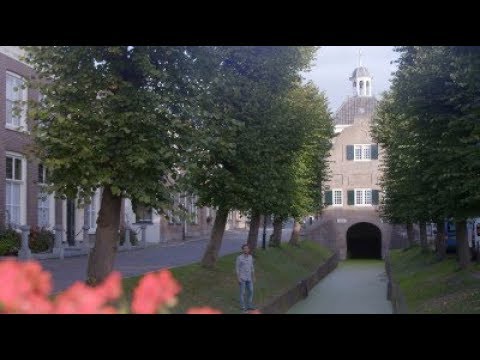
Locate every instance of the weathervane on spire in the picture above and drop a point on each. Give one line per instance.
(359, 57)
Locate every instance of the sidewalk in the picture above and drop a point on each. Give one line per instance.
(154, 257)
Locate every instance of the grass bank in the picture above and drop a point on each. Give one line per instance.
(276, 271)
(436, 287)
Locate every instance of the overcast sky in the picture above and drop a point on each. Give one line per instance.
(335, 64)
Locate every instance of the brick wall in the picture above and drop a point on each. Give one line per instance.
(16, 141)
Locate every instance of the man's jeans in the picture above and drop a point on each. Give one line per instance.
(246, 286)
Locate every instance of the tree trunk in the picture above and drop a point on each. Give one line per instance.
(211, 253)
(441, 247)
(253, 231)
(102, 256)
(410, 235)
(276, 238)
(423, 236)
(463, 250)
(295, 238)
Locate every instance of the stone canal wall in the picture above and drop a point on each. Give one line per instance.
(300, 291)
(394, 293)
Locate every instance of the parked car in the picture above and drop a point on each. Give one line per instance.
(473, 235)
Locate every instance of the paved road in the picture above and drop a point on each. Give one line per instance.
(355, 287)
(137, 262)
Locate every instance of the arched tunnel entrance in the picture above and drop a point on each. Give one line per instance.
(364, 241)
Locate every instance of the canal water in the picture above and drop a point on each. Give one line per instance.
(354, 287)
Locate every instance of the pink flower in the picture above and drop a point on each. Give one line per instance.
(82, 299)
(78, 299)
(203, 310)
(40, 281)
(155, 291)
(111, 288)
(24, 287)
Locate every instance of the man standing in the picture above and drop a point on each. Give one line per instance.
(245, 275)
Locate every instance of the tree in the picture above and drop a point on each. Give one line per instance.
(435, 91)
(302, 140)
(224, 169)
(117, 118)
(410, 143)
(403, 201)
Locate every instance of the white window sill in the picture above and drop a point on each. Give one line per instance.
(20, 129)
(337, 205)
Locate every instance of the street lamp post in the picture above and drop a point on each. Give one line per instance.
(184, 232)
(264, 232)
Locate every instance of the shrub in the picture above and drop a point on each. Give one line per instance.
(10, 242)
(40, 240)
(133, 237)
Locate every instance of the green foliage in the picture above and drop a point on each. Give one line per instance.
(299, 142)
(250, 145)
(115, 116)
(40, 240)
(10, 242)
(428, 126)
(232, 124)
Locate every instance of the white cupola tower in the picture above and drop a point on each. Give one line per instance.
(361, 79)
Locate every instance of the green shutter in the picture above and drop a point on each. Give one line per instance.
(351, 197)
(328, 198)
(374, 197)
(374, 151)
(350, 153)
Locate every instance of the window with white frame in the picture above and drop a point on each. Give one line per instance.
(169, 213)
(42, 175)
(179, 204)
(367, 152)
(337, 197)
(210, 213)
(368, 197)
(358, 152)
(15, 187)
(363, 196)
(193, 209)
(91, 214)
(363, 152)
(144, 214)
(16, 97)
(170, 217)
